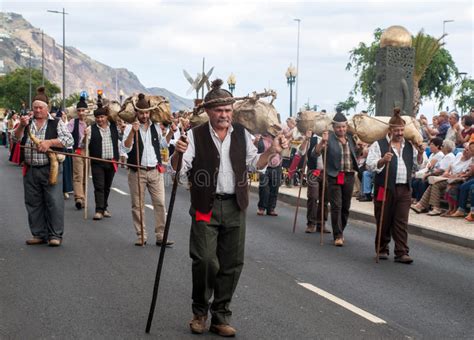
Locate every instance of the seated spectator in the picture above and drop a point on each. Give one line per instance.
(438, 184)
(467, 131)
(461, 195)
(419, 182)
(442, 128)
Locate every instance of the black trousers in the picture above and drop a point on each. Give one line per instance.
(102, 177)
(340, 196)
(269, 184)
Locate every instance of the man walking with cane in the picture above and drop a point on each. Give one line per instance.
(147, 152)
(341, 168)
(400, 156)
(216, 158)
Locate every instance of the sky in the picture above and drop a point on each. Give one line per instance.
(254, 40)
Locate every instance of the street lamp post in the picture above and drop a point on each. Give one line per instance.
(42, 55)
(444, 27)
(64, 54)
(290, 80)
(297, 62)
(231, 81)
(29, 81)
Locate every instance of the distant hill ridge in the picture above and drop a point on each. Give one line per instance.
(82, 72)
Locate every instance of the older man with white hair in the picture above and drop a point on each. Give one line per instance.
(341, 168)
(44, 202)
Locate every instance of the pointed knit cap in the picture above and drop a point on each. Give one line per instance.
(41, 95)
(217, 96)
(142, 103)
(396, 119)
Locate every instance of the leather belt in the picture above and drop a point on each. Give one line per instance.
(223, 197)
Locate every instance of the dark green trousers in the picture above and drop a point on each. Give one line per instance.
(217, 251)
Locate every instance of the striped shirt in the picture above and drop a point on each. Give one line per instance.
(346, 162)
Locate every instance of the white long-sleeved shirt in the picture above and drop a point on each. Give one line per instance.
(148, 156)
(375, 155)
(226, 177)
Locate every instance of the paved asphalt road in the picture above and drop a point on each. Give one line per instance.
(98, 285)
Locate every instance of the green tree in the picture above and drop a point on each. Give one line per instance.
(348, 104)
(73, 99)
(437, 74)
(465, 95)
(14, 87)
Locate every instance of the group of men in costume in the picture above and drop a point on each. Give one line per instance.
(216, 158)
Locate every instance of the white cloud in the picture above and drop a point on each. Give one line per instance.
(256, 40)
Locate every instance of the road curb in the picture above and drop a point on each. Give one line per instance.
(413, 229)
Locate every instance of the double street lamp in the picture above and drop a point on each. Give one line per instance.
(290, 80)
(64, 54)
(231, 81)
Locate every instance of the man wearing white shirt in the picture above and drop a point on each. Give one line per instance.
(216, 157)
(400, 156)
(150, 140)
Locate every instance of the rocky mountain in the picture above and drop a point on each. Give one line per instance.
(19, 40)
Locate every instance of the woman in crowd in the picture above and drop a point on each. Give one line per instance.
(456, 171)
(420, 182)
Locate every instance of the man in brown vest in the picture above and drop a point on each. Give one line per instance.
(215, 161)
(400, 156)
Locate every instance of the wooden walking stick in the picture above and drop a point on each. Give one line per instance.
(379, 227)
(301, 185)
(163, 244)
(86, 177)
(140, 203)
(322, 198)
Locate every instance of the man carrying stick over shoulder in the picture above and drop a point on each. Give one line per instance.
(216, 158)
(400, 156)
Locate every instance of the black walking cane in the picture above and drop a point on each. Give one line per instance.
(163, 244)
(380, 226)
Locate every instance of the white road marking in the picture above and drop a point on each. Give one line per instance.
(120, 191)
(149, 206)
(343, 303)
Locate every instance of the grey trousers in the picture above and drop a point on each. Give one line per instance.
(44, 203)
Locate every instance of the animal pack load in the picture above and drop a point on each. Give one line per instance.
(314, 121)
(258, 116)
(160, 109)
(370, 129)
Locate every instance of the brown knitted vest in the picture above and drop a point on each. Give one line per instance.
(205, 168)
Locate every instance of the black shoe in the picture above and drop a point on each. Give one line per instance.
(366, 198)
(169, 243)
(79, 205)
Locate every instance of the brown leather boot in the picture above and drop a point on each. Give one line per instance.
(35, 241)
(223, 330)
(310, 229)
(198, 324)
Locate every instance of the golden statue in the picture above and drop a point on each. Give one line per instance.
(396, 36)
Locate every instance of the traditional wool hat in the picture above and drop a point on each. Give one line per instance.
(396, 119)
(142, 103)
(41, 95)
(339, 118)
(217, 96)
(82, 103)
(101, 111)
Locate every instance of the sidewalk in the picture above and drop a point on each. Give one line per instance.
(450, 230)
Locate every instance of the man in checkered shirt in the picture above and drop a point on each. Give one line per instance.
(44, 202)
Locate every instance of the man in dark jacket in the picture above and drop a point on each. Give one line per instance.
(341, 167)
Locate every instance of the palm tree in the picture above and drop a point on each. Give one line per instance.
(425, 49)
